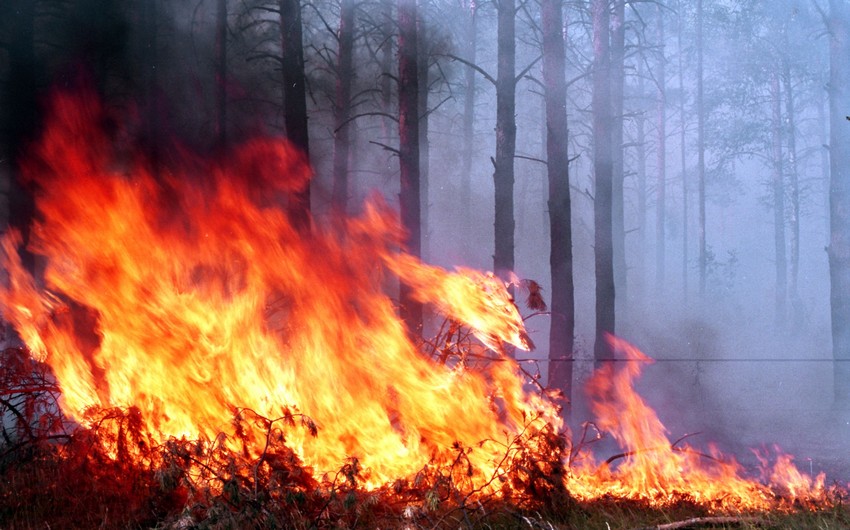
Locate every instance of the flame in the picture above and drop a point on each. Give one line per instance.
(652, 468)
(189, 296)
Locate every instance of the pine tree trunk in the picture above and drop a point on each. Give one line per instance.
(342, 107)
(661, 182)
(295, 100)
(562, 326)
(469, 115)
(683, 153)
(618, 58)
(503, 174)
(839, 195)
(778, 205)
(703, 254)
(424, 147)
(408, 137)
(603, 174)
(794, 184)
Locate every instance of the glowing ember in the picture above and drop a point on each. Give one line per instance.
(190, 296)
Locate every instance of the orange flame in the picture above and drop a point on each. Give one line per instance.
(202, 297)
(189, 295)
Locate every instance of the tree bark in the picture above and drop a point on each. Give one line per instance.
(603, 174)
(342, 107)
(503, 174)
(295, 100)
(408, 134)
(839, 196)
(778, 205)
(422, 66)
(562, 324)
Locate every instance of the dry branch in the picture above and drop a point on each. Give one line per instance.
(703, 521)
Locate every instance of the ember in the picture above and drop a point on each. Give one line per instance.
(200, 308)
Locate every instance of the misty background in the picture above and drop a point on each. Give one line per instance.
(733, 303)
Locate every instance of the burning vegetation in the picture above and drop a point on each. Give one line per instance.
(196, 359)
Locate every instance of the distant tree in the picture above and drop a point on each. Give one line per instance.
(661, 155)
(618, 219)
(780, 262)
(700, 111)
(342, 105)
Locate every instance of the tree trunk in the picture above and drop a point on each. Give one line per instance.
(639, 286)
(794, 183)
(408, 147)
(603, 174)
(839, 195)
(424, 146)
(221, 76)
(562, 324)
(469, 116)
(778, 204)
(295, 100)
(342, 107)
(683, 153)
(661, 182)
(703, 255)
(503, 174)
(618, 74)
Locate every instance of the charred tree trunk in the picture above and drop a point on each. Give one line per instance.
(661, 182)
(503, 174)
(562, 327)
(221, 76)
(22, 114)
(408, 134)
(295, 100)
(703, 255)
(839, 195)
(778, 204)
(342, 107)
(603, 174)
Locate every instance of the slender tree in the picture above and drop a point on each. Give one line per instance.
(562, 326)
(603, 174)
(778, 202)
(295, 98)
(503, 173)
(618, 221)
(471, 47)
(683, 149)
(342, 105)
(700, 103)
(408, 152)
(661, 157)
(839, 194)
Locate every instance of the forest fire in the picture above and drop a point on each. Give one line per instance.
(190, 298)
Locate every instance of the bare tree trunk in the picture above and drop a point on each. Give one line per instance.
(683, 153)
(221, 76)
(618, 57)
(342, 107)
(641, 155)
(603, 173)
(424, 146)
(661, 182)
(703, 255)
(778, 204)
(562, 326)
(408, 147)
(295, 99)
(794, 182)
(503, 174)
(839, 195)
(469, 114)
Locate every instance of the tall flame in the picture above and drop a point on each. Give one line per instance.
(190, 295)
